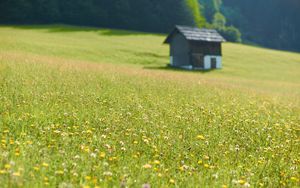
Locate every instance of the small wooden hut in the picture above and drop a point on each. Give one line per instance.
(194, 48)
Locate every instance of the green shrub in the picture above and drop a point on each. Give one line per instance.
(230, 33)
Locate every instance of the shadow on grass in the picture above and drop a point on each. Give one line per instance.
(110, 32)
(54, 28)
(151, 54)
(175, 69)
(145, 54)
(61, 28)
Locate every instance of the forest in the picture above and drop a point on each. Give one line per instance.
(142, 15)
(269, 23)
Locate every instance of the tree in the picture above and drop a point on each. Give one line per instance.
(195, 9)
(219, 20)
(231, 34)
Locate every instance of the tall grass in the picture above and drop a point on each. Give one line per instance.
(82, 107)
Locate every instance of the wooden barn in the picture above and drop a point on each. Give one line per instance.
(194, 48)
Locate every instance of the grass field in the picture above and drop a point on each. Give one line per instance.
(87, 107)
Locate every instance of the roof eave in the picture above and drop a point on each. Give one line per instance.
(177, 29)
(170, 36)
(206, 40)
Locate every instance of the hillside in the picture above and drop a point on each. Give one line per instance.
(97, 107)
(269, 23)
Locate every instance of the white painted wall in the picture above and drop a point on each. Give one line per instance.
(207, 61)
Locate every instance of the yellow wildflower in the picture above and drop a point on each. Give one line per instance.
(242, 182)
(7, 166)
(16, 174)
(183, 168)
(112, 158)
(95, 180)
(45, 164)
(200, 137)
(29, 142)
(294, 179)
(89, 132)
(147, 166)
(88, 178)
(59, 172)
(102, 155)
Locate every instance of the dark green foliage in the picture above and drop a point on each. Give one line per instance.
(230, 33)
(210, 7)
(212, 10)
(194, 7)
(144, 15)
(219, 20)
(271, 23)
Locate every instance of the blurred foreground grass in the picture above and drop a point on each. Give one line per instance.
(86, 107)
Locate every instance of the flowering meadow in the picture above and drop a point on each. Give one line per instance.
(82, 107)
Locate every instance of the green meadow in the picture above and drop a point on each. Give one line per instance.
(90, 107)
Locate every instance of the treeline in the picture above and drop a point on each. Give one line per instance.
(270, 23)
(143, 15)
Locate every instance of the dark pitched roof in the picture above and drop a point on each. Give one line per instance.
(196, 34)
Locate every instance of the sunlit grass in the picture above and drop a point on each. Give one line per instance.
(87, 107)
